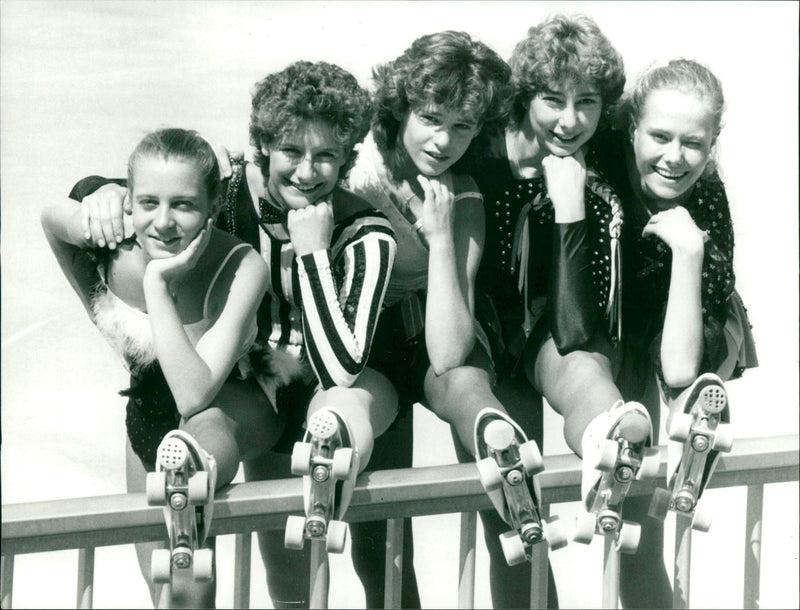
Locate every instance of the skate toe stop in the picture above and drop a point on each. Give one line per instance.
(498, 434)
(634, 428)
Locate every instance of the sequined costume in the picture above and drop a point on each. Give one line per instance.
(543, 277)
(648, 261)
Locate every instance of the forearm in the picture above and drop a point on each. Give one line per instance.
(191, 381)
(682, 337)
(449, 328)
(339, 325)
(572, 299)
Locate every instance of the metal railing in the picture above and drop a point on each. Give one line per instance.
(87, 523)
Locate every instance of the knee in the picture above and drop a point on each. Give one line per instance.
(448, 389)
(209, 421)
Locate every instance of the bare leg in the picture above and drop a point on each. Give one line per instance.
(185, 592)
(458, 395)
(579, 385)
(369, 406)
(241, 424)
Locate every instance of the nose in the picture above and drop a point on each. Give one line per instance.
(442, 139)
(305, 169)
(673, 153)
(164, 219)
(569, 117)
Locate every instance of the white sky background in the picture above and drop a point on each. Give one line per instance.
(81, 82)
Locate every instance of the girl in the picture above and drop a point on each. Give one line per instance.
(178, 302)
(430, 104)
(550, 263)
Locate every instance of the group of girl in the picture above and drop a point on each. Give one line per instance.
(454, 239)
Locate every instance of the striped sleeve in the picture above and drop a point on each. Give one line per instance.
(342, 292)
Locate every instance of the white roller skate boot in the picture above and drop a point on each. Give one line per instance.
(507, 463)
(698, 433)
(184, 483)
(616, 450)
(329, 465)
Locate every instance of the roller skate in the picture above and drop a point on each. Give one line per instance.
(184, 483)
(329, 466)
(615, 452)
(698, 433)
(507, 463)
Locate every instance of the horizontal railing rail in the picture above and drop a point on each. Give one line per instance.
(80, 523)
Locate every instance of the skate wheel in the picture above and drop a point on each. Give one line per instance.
(681, 427)
(702, 519)
(531, 458)
(553, 531)
(156, 486)
(490, 475)
(301, 459)
(342, 463)
(294, 538)
(607, 456)
(659, 505)
(336, 536)
(628, 537)
(199, 493)
(723, 439)
(513, 548)
(585, 526)
(650, 464)
(161, 566)
(203, 565)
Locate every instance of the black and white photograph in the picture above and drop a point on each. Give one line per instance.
(411, 304)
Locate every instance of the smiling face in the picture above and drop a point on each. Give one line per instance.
(564, 117)
(304, 165)
(170, 205)
(672, 143)
(435, 137)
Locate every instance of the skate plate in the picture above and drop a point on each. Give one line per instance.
(327, 464)
(507, 473)
(182, 483)
(703, 436)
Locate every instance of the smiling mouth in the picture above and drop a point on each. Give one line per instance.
(171, 241)
(668, 175)
(566, 139)
(436, 156)
(305, 189)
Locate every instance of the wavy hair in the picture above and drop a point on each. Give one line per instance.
(562, 49)
(446, 68)
(306, 91)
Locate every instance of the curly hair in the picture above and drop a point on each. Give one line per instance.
(562, 49)
(184, 144)
(306, 91)
(684, 75)
(446, 68)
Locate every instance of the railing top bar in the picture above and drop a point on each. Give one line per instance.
(124, 518)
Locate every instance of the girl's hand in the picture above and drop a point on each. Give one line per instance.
(311, 228)
(168, 270)
(438, 208)
(226, 158)
(566, 180)
(106, 216)
(676, 228)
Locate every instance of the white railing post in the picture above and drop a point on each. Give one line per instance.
(6, 580)
(540, 566)
(241, 567)
(610, 573)
(85, 578)
(683, 561)
(466, 560)
(393, 585)
(752, 550)
(320, 576)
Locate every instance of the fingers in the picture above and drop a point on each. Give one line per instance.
(102, 217)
